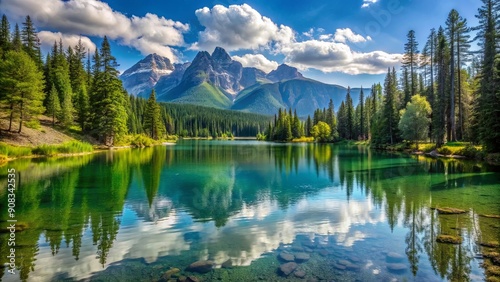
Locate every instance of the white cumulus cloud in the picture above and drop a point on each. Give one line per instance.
(346, 34)
(337, 57)
(148, 34)
(48, 38)
(367, 3)
(257, 61)
(238, 27)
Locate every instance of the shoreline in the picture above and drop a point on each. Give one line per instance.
(98, 149)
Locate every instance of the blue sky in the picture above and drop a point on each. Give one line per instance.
(346, 42)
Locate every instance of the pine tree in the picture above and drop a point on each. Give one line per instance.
(5, 34)
(331, 120)
(308, 126)
(362, 122)
(30, 41)
(410, 62)
(439, 115)
(390, 113)
(109, 118)
(53, 104)
(488, 101)
(17, 44)
(342, 121)
(22, 83)
(452, 23)
(153, 124)
(349, 115)
(463, 46)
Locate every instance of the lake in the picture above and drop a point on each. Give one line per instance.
(342, 213)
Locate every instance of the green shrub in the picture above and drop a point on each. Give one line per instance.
(141, 140)
(33, 124)
(14, 151)
(469, 151)
(45, 150)
(444, 151)
(427, 148)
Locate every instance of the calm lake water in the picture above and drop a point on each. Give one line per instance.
(348, 213)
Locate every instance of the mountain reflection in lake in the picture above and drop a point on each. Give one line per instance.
(344, 212)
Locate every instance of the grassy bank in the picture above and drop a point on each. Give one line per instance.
(8, 151)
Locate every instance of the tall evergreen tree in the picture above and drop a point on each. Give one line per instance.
(439, 115)
(410, 62)
(53, 104)
(5, 34)
(109, 118)
(488, 101)
(349, 115)
(22, 85)
(362, 121)
(30, 41)
(153, 124)
(390, 112)
(17, 44)
(452, 23)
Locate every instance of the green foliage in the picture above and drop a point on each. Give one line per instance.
(71, 147)
(469, 151)
(141, 140)
(14, 151)
(321, 132)
(107, 100)
(427, 148)
(414, 123)
(53, 104)
(153, 124)
(444, 151)
(21, 85)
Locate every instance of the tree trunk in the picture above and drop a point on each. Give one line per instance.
(11, 116)
(452, 91)
(21, 118)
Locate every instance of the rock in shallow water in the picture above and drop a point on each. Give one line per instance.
(394, 257)
(227, 264)
(396, 267)
(300, 274)
(288, 268)
(201, 266)
(286, 256)
(302, 257)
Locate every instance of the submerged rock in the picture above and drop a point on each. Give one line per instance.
(397, 267)
(169, 273)
(324, 253)
(302, 257)
(490, 216)
(338, 266)
(300, 274)
(286, 256)
(449, 239)
(287, 268)
(493, 270)
(450, 211)
(201, 266)
(192, 279)
(394, 257)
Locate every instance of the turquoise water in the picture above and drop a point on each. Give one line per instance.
(357, 214)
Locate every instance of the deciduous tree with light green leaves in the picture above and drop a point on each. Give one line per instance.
(321, 131)
(414, 122)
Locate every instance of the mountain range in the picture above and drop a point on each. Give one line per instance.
(216, 80)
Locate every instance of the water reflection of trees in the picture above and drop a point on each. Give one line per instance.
(214, 182)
